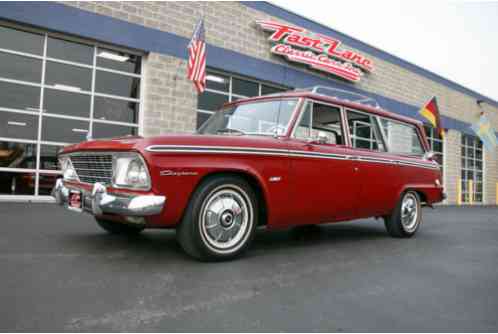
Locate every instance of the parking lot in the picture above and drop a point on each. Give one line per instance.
(59, 271)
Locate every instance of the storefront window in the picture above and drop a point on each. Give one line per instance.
(472, 169)
(56, 91)
(222, 88)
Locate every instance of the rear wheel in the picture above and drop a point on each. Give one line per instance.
(119, 228)
(220, 220)
(406, 217)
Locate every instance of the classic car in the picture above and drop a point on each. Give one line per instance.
(301, 157)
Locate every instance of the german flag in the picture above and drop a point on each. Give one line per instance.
(431, 112)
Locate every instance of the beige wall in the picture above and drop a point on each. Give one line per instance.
(170, 100)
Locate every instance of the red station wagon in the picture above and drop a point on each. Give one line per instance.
(302, 157)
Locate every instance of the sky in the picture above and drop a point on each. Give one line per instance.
(455, 39)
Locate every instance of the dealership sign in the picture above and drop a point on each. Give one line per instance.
(320, 52)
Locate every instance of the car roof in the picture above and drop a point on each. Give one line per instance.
(377, 110)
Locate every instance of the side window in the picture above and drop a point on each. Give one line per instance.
(320, 119)
(401, 138)
(364, 131)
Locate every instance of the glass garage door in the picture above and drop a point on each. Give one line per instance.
(53, 92)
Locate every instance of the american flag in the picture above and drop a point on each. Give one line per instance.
(197, 58)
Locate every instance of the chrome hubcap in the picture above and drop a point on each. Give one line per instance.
(225, 218)
(409, 212)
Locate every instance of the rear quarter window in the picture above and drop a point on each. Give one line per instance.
(401, 137)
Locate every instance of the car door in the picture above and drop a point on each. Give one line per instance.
(324, 188)
(378, 174)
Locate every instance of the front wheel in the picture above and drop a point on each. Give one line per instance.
(406, 217)
(220, 220)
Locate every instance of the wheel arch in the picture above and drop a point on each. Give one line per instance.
(252, 178)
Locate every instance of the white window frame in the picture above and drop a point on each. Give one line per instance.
(40, 112)
(474, 170)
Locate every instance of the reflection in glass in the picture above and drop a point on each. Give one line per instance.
(118, 61)
(201, 118)
(211, 101)
(115, 110)
(101, 130)
(48, 157)
(22, 41)
(117, 84)
(20, 67)
(76, 52)
(68, 76)
(64, 130)
(265, 90)
(17, 155)
(19, 96)
(66, 103)
(18, 126)
(218, 82)
(46, 183)
(17, 183)
(244, 87)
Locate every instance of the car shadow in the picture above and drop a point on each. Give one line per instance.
(153, 245)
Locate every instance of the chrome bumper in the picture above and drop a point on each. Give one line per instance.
(99, 202)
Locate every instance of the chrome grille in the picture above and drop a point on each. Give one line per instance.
(93, 167)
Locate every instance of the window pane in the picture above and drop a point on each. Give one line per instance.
(48, 157)
(401, 138)
(20, 67)
(302, 130)
(118, 61)
(117, 84)
(19, 96)
(218, 82)
(19, 126)
(17, 155)
(115, 110)
(201, 118)
(265, 90)
(73, 77)
(66, 103)
(211, 101)
(327, 121)
(363, 133)
(64, 130)
(61, 49)
(101, 130)
(17, 183)
(21, 41)
(244, 87)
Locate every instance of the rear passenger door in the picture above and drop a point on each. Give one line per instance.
(377, 174)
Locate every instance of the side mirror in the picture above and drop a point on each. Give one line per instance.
(430, 155)
(321, 138)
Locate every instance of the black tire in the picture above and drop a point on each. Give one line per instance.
(119, 228)
(394, 223)
(195, 232)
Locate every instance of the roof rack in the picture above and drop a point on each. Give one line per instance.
(341, 94)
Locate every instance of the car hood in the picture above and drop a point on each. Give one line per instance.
(194, 140)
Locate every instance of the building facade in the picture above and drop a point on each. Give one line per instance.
(76, 70)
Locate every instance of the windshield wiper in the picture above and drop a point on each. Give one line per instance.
(230, 130)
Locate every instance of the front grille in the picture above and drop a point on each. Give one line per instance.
(93, 167)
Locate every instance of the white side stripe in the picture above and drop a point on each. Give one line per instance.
(281, 152)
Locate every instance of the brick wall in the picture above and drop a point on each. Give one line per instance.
(170, 100)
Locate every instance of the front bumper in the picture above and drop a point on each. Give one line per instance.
(99, 202)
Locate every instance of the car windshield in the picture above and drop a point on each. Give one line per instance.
(258, 118)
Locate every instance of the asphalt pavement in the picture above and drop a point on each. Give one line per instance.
(60, 272)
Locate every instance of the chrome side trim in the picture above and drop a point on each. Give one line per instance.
(281, 152)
